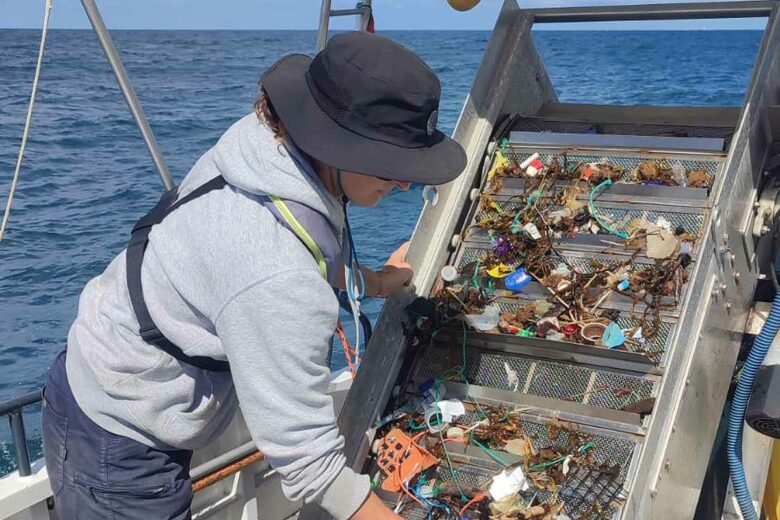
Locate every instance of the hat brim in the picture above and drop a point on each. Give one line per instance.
(314, 132)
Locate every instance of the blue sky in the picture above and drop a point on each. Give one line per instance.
(303, 14)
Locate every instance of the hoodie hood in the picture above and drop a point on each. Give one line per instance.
(250, 158)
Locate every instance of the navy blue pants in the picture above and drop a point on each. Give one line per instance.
(98, 475)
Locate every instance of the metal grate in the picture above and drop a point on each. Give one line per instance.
(653, 346)
(595, 491)
(568, 382)
(618, 217)
(627, 161)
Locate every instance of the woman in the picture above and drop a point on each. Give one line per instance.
(221, 300)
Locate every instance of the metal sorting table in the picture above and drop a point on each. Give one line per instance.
(561, 382)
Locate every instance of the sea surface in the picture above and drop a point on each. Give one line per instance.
(87, 175)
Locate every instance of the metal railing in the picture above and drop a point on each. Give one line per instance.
(13, 408)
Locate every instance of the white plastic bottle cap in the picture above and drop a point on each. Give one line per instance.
(449, 273)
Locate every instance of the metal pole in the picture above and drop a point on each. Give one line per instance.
(127, 89)
(679, 11)
(20, 443)
(366, 15)
(322, 37)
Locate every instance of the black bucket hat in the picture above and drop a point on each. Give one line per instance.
(368, 105)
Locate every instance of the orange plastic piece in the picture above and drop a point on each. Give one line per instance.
(401, 459)
(587, 173)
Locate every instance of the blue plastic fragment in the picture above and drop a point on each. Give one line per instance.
(623, 285)
(517, 280)
(613, 336)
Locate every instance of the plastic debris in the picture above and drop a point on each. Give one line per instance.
(566, 464)
(500, 271)
(486, 321)
(532, 166)
(546, 325)
(678, 174)
(526, 333)
(661, 242)
(663, 224)
(613, 336)
(443, 412)
(686, 248)
(638, 334)
(593, 332)
(554, 335)
(512, 378)
(517, 280)
(449, 273)
(401, 460)
(508, 483)
(532, 231)
(623, 285)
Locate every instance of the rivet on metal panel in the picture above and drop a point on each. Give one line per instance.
(737, 276)
(668, 465)
(687, 381)
(723, 288)
(654, 493)
(474, 194)
(455, 242)
(728, 306)
(674, 429)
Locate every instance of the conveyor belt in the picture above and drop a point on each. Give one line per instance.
(589, 388)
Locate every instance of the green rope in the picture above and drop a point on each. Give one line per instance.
(532, 199)
(490, 453)
(595, 213)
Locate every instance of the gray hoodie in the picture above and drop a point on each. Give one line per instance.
(222, 278)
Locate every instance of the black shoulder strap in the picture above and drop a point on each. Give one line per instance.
(136, 249)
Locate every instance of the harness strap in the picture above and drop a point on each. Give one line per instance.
(302, 235)
(136, 249)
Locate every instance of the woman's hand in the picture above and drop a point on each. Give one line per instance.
(396, 274)
(374, 509)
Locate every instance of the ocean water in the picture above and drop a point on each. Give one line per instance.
(87, 176)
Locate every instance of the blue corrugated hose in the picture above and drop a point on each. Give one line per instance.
(737, 417)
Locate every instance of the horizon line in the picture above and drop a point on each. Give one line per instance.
(385, 30)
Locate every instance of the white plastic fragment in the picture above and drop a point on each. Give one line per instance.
(449, 273)
(532, 231)
(678, 174)
(512, 378)
(663, 224)
(527, 162)
(508, 483)
(485, 321)
(566, 465)
(444, 411)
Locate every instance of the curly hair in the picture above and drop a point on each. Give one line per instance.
(267, 115)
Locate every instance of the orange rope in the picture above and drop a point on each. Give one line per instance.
(349, 350)
(478, 498)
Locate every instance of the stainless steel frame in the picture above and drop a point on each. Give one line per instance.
(669, 466)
